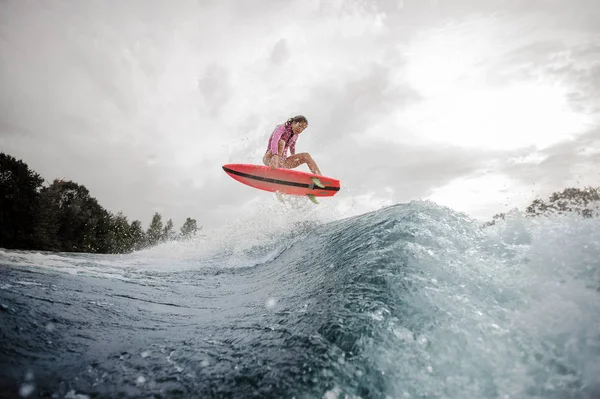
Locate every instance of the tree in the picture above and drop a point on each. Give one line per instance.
(585, 202)
(168, 233)
(155, 230)
(496, 217)
(138, 238)
(189, 228)
(46, 231)
(103, 239)
(83, 225)
(121, 234)
(63, 216)
(19, 203)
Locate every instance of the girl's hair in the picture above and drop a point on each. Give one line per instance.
(297, 118)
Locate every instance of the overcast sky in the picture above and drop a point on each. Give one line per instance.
(479, 105)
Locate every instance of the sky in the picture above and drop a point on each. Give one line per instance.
(481, 106)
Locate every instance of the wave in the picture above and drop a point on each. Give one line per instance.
(412, 300)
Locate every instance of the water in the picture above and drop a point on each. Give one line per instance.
(410, 301)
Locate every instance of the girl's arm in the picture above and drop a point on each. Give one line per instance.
(279, 130)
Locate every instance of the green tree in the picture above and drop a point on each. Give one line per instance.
(496, 217)
(155, 230)
(585, 202)
(138, 238)
(63, 216)
(48, 221)
(123, 241)
(189, 228)
(19, 203)
(82, 222)
(104, 239)
(168, 233)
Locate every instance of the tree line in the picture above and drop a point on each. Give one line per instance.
(584, 202)
(64, 217)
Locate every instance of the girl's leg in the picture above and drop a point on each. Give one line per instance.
(302, 158)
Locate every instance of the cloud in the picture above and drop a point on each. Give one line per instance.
(280, 53)
(408, 171)
(215, 86)
(565, 62)
(567, 163)
(353, 106)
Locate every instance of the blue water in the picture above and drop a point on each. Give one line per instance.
(410, 301)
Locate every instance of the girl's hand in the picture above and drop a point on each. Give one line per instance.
(274, 161)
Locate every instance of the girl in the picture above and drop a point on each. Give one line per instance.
(284, 137)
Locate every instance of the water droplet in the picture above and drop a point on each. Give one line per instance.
(26, 390)
(73, 395)
(403, 334)
(332, 394)
(271, 302)
(140, 380)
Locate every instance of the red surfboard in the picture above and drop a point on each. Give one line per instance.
(285, 181)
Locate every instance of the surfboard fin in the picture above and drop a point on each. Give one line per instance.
(279, 196)
(317, 182)
(312, 198)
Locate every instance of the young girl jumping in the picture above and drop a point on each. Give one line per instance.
(283, 138)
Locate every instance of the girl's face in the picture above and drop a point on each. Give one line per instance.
(298, 127)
